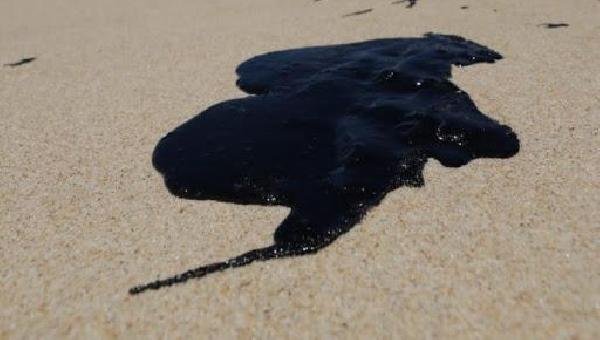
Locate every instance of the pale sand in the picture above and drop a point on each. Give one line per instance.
(498, 248)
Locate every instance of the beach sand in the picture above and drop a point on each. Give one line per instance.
(494, 249)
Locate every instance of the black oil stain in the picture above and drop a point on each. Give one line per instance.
(553, 25)
(464, 7)
(21, 62)
(328, 131)
(409, 3)
(364, 11)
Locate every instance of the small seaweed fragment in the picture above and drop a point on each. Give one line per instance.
(549, 25)
(21, 62)
(328, 131)
(364, 11)
(409, 3)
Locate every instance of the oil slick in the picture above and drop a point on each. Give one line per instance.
(328, 131)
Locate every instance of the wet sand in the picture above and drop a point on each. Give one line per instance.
(497, 248)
